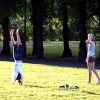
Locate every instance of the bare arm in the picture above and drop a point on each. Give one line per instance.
(88, 41)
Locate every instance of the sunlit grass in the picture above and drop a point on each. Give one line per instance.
(54, 48)
(41, 82)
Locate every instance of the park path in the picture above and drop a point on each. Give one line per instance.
(53, 62)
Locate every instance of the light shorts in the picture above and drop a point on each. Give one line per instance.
(92, 59)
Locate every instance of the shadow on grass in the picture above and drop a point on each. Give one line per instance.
(34, 86)
(90, 92)
(40, 87)
(48, 61)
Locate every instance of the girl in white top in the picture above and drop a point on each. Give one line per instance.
(90, 60)
(17, 55)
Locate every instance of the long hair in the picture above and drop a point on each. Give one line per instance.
(93, 39)
(19, 78)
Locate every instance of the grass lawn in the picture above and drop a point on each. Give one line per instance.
(41, 82)
(54, 48)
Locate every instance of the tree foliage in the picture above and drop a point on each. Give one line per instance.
(10, 8)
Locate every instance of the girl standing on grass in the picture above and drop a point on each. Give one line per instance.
(17, 55)
(91, 58)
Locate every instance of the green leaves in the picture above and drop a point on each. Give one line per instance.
(9, 8)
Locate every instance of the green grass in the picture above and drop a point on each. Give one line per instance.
(54, 48)
(41, 82)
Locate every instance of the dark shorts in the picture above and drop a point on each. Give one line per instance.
(92, 59)
(17, 52)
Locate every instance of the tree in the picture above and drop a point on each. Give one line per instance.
(8, 8)
(77, 11)
(83, 34)
(6, 46)
(39, 28)
(41, 11)
(62, 14)
(98, 14)
(33, 18)
(24, 39)
(67, 51)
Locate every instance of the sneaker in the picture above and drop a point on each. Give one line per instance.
(74, 87)
(61, 86)
(64, 86)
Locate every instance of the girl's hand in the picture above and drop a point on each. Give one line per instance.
(91, 36)
(88, 36)
(86, 60)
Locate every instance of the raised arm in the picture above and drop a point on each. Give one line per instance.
(88, 41)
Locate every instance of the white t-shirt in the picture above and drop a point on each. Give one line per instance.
(91, 49)
(18, 69)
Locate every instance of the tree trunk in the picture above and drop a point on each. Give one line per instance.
(6, 46)
(99, 39)
(67, 51)
(98, 13)
(83, 34)
(24, 43)
(39, 28)
(34, 52)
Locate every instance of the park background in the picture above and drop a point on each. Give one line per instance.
(52, 29)
(54, 20)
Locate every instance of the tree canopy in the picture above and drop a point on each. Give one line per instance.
(10, 8)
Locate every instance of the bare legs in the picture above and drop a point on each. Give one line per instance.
(12, 38)
(90, 69)
(14, 43)
(18, 37)
(93, 69)
(89, 72)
